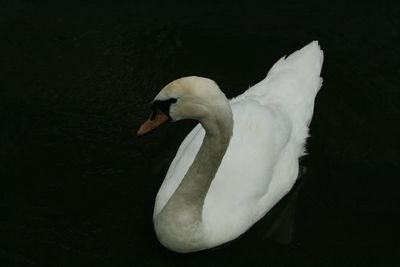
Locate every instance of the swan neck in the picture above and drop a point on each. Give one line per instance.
(181, 218)
(192, 190)
(196, 183)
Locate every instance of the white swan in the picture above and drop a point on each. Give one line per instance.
(242, 157)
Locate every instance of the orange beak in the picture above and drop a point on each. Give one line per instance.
(153, 122)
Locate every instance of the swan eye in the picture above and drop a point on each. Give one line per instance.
(163, 106)
(153, 114)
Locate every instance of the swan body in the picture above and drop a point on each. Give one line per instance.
(242, 157)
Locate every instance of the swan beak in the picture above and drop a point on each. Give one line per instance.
(153, 122)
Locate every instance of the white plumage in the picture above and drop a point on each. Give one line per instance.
(260, 164)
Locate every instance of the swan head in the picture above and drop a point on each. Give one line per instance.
(191, 97)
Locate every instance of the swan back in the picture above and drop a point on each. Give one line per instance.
(292, 83)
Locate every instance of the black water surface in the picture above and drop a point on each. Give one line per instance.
(77, 187)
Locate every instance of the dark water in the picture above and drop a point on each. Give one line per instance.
(77, 187)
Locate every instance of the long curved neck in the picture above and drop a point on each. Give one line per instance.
(192, 191)
(196, 183)
(179, 224)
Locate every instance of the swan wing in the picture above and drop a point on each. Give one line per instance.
(260, 135)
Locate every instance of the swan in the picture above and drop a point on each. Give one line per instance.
(241, 158)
